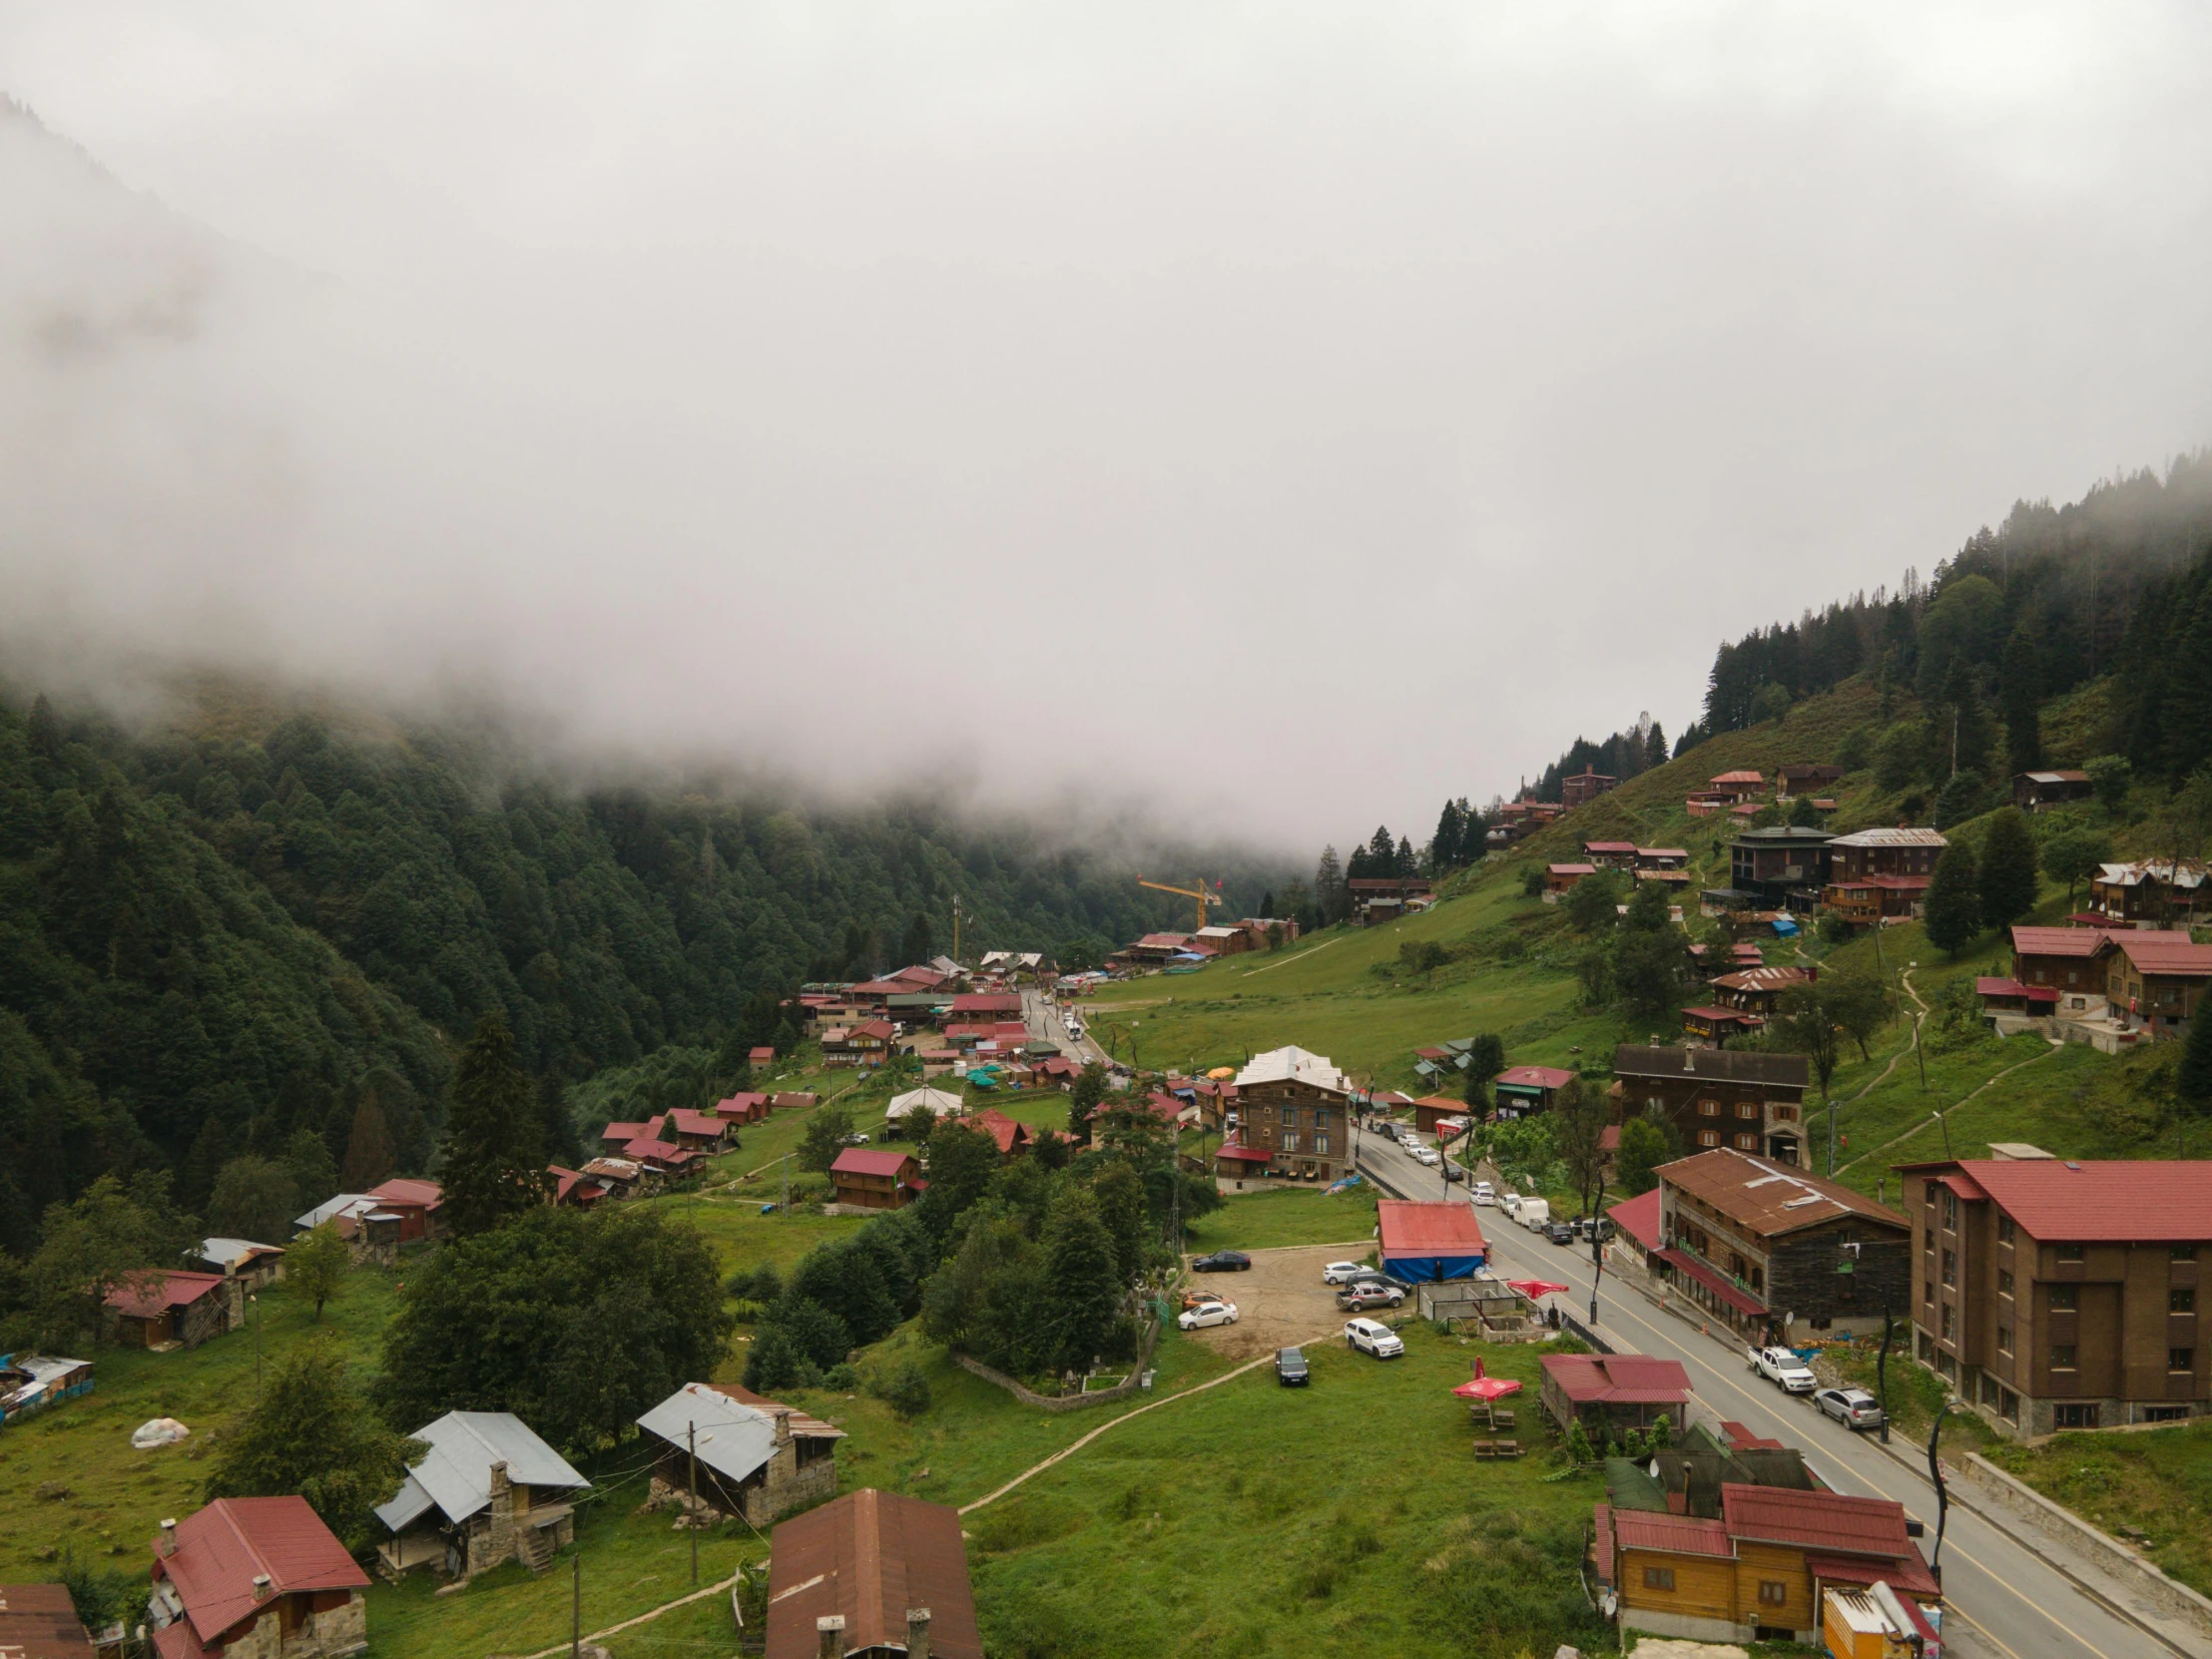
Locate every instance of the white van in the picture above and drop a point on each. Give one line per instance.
(1511, 1203)
(1533, 1214)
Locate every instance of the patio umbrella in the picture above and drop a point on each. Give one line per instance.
(1534, 1289)
(1487, 1388)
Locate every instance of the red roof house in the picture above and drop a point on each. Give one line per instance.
(891, 1571)
(1619, 1391)
(241, 1560)
(1638, 1219)
(1011, 1137)
(1428, 1243)
(973, 1006)
(872, 1177)
(764, 1055)
(160, 1309)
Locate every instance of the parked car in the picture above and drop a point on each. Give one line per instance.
(1206, 1314)
(1384, 1127)
(1484, 1193)
(1359, 1298)
(852, 1140)
(1781, 1365)
(1290, 1368)
(1222, 1261)
(1343, 1273)
(1559, 1232)
(1852, 1407)
(1371, 1338)
(1510, 1204)
(1453, 1171)
(1427, 1155)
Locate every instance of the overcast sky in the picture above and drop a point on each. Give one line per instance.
(1284, 414)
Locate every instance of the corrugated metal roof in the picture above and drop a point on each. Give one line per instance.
(39, 1621)
(870, 1556)
(228, 1252)
(1768, 1197)
(147, 1295)
(863, 1159)
(221, 1549)
(1832, 1521)
(2115, 1201)
(1408, 1228)
(1293, 1065)
(1674, 1534)
(735, 1440)
(1897, 835)
(1639, 1217)
(456, 1474)
(2165, 953)
(1720, 1065)
(2056, 942)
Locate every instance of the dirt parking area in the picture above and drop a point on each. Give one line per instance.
(1281, 1300)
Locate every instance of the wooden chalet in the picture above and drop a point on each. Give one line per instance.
(1805, 777)
(1662, 858)
(1783, 866)
(1523, 1091)
(1379, 898)
(1610, 854)
(1736, 786)
(2147, 891)
(876, 1178)
(175, 1310)
(1584, 787)
(2033, 791)
(1714, 1024)
(1716, 1098)
(1759, 990)
(1563, 878)
(252, 1264)
(1611, 1394)
(2156, 979)
(2064, 961)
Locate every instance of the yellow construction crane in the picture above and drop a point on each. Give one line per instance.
(1198, 892)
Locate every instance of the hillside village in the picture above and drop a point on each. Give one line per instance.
(1754, 1119)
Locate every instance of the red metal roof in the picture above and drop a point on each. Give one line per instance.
(2112, 1201)
(149, 1294)
(2165, 953)
(1618, 1379)
(1998, 985)
(870, 1555)
(1908, 1575)
(1741, 1439)
(39, 1621)
(1573, 870)
(697, 1123)
(1002, 1128)
(1408, 1228)
(2056, 942)
(1608, 846)
(865, 1160)
(1834, 1522)
(1675, 1534)
(1738, 777)
(1639, 1217)
(761, 1056)
(1242, 1154)
(1662, 853)
(984, 1002)
(1536, 1078)
(220, 1551)
(400, 1190)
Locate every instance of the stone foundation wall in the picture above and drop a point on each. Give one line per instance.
(786, 1486)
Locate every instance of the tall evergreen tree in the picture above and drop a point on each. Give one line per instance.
(2020, 686)
(1954, 899)
(368, 1149)
(1328, 887)
(918, 944)
(1082, 1280)
(495, 1145)
(2007, 874)
(2193, 1078)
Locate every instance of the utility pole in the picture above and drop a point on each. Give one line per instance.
(257, 1301)
(576, 1606)
(691, 1512)
(786, 1167)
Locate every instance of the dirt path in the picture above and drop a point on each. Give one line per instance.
(1286, 961)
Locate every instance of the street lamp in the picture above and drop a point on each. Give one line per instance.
(1942, 1496)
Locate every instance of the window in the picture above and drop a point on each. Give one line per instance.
(1658, 1578)
(1928, 1241)
(2004, 1339)
(1773, 1593)
(1950, 1211)
(2063, 1357)
(1708, 1137)
(1928, 1346)
(2182, 1301)
(2163, 1413)
(2184, 1253)
(1748, 1109)
(1290, 1140)
(2004, 1230)
(1290, 1115)
(2008, 1406)
(1708, 1108)
(1748, 1142)
(2073, 1416)
(1950, 1267)
(1950, 1321)
(2004, 1283)
(1928, 1292)
(1785, 1114)
(2072, 1253)
(2181, 1358)
(1321, 1143)
(2064, 1299)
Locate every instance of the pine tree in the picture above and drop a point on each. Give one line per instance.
(916, 946)
(1328, 887)
(2021, 689)
(495, 1155)
(1954, 899)
(2007, 878)
(368, 1150)
(1082, 1281)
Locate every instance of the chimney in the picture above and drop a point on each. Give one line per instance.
(829, 1636)
(918, 1633)
(782, 1426)
(261, 1587)
(169, 1536)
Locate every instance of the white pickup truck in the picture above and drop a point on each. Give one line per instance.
(1782, 1367)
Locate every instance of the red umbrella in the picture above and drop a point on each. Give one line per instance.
(1534, 1288)
(1487, 1388)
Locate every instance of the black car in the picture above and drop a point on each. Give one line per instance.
(1560, 1232)
(1290, 1368)
(1222, 1261)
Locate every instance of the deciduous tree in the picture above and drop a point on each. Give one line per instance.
(825, 1134)
(253, 1198)
(315, 1265)
(1643, 1148)
(310, 1434)
(1082, 1281)
(1953, 902)
(2073, 855)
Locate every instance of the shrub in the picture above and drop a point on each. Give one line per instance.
(905, 1391)
(842, 1378)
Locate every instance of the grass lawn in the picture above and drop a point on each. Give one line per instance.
(1279, 1215)
(1242, 1520)
(2159, 1481)
(118, 1495)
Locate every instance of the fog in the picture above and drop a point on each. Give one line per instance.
(1271, 417)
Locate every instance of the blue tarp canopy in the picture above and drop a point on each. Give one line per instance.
(1431, 1270)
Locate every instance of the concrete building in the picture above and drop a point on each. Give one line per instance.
(1294, 1118)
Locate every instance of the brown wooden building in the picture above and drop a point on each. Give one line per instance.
(2054, 1294)
(1714, 1097)
(2156, 979)
(1294, 1108)
(1758, 990)
(2033, 791)
(1806, 777)
(874, 1178)
(1784, 867)
(1585, 786)
(157, 1310)
(875, 1575)
(1778, 1254)
(2148, 890)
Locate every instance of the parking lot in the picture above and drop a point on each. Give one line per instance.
(1281, 1300)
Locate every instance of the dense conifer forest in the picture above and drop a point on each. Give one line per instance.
(208, 942)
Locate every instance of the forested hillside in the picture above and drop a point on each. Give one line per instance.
(212, 936)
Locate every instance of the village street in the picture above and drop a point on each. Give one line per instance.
(2002, 1598)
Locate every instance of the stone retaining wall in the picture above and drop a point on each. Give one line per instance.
(1068, 1403)
(2020, 1503)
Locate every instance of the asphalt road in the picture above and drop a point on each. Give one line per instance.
(1043, 1020)
(2001, 1598)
